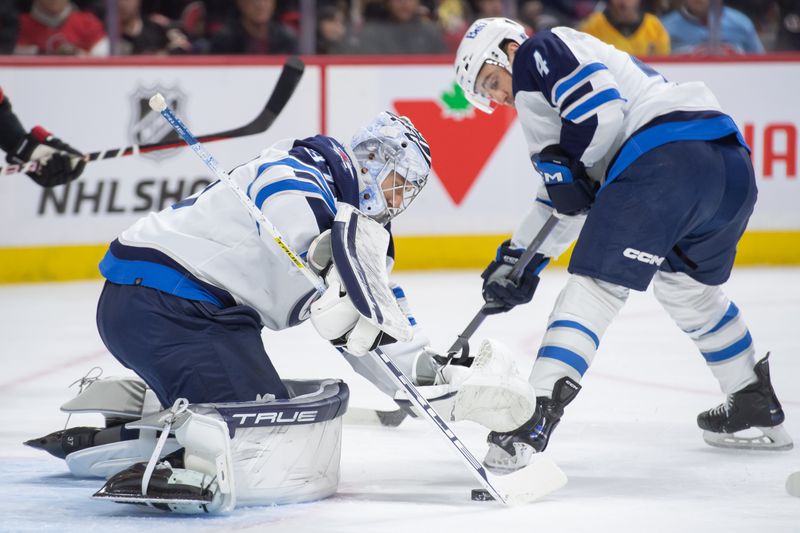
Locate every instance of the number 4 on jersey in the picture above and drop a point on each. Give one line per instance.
(541, 64)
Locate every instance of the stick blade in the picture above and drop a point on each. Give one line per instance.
(287, 82)
(541, 477)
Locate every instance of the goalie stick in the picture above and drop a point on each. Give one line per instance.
(284, 88)
(541, 477)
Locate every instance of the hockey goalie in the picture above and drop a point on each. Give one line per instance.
(208, 424)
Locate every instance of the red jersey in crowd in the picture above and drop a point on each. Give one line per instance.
(72, 32)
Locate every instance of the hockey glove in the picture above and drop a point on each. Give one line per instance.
(499, 291)
(336, 319)
(60, 163)
(568, 185)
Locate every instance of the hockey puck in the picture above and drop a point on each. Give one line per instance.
(792, 485)
(481, 495)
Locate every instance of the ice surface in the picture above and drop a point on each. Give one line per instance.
(636, 460)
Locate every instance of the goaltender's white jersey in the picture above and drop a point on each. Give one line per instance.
(208, 246)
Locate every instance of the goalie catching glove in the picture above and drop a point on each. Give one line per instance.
(336, 319)
(59, 162)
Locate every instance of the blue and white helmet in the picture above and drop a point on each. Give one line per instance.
(480, 45)
(388, 144)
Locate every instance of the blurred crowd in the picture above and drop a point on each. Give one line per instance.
(640, 27)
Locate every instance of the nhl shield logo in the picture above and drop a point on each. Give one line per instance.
(149, 127)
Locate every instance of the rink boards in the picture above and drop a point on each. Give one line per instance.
(482, 182)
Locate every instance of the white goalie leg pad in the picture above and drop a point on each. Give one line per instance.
(288, 451)
(120, 399)
(208, 451)
(494, 394)
(205, 485)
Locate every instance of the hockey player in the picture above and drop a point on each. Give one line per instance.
(60, 162)
(187, 293)
(656, 184)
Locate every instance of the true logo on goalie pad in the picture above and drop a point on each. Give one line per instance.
(275, 418)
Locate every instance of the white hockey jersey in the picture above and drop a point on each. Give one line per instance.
(604, 108)
(208, 246)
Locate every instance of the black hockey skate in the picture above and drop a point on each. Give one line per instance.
(62, 443)
(754, 406)
(511, 451)
(168, 489)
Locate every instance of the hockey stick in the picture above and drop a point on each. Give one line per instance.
(539, 478)
(284, 88)
(462, 341)
(396, 417)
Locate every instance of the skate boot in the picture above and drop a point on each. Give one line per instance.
(754, 406)
(62, 443)
(511, 451)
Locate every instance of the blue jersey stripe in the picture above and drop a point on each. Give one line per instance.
(155, 276)
(730, 314)
(731, 351)
(667, 132)
(579, 327)
(568, 83)
(292, 185)
(565, 356)
(594, 102)
(294, 163)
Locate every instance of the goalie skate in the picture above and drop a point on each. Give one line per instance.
(753, 409)
(169, 489)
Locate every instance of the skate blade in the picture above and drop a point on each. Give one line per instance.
(771, 439)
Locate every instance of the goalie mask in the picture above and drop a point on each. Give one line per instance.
(483, 44)
(393, 161)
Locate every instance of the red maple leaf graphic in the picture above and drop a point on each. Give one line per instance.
(460, 147)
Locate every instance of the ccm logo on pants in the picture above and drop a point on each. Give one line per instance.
(644, 257)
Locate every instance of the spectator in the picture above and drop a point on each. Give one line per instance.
(532, 13)
(401, 31)
(253, 30)
(487, 9)
(624, 25)
(331, 29)
(569, 12)
(453, 17)
(9, 27)
(194, 21)
(58, 27)
(153, 35)
(688, 29)
(789, 25)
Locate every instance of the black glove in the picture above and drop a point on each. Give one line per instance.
(61, 163)
(568, 185)
(500, 292)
